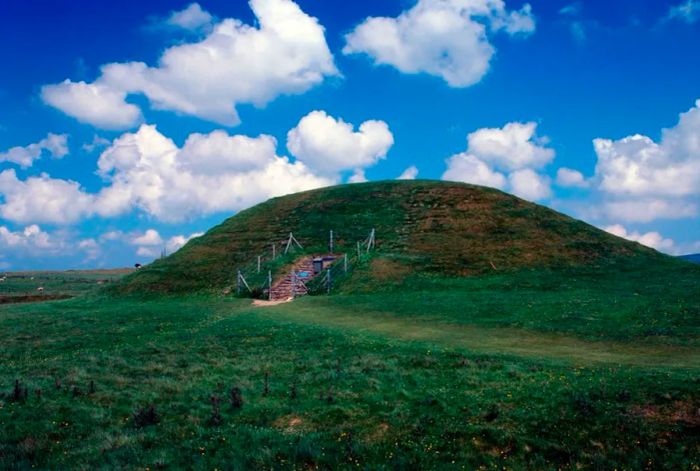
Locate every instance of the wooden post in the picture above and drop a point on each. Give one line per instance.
(358, 249)
(345, 262)
(269, 282)
(273, 252)
(294, 285)
(238, 282)
(289, 243)
(258, 263)
(328, 281)
(330, 243)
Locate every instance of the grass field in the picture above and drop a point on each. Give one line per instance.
(533, 369)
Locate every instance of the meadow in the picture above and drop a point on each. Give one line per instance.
(532, 369)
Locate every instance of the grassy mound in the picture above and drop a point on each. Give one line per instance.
(451, 229)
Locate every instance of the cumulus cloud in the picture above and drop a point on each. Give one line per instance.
(55, 145)
(151, 237)
(285, 53)
(409, 174)
(147, 171)
(568, 178)
(468, 168)
(636, 172)
(331, 145)
(192, 18)
(445, 38)
(32, 241)
(358, 176)
(175, 243)
(97, 104)
(530, 185)
(513, 147)
(31, 237)
(650, 239)
(648, 209)
(42, 199)
(507, 158)
(151, 244)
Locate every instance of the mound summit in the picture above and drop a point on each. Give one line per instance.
(430, 227)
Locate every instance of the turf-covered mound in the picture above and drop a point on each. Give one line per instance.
(445, 228)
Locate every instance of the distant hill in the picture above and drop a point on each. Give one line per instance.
(695, 258)
(445, 228)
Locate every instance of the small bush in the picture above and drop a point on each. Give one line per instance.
(215, 420)
(236, 398)
(146, 416)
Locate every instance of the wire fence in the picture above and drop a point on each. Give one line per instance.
(257, 278)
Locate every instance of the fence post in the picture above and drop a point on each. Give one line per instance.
(330, 243)
(329, 282)
(273, 252)
(294, 285)
(258, 263)
(238, 282)
(345, 262)
(358, 249)
(269, 282)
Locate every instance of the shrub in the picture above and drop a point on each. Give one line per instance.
(145, 416)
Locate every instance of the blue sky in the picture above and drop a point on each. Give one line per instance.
(126, 128)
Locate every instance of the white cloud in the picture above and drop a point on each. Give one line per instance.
(648, 209)
(151, 237)
(512, 147)
(330, 145)
(650, 239)
(409, 174)
(151, 244)
(32, 237)
(218, 152)
(56, 145)
(506, 158)
(468, 168)
(96, 103)
(688, 11)
(175, 243)
(445, 38)
(530, 185)
(32, 241)
(358, 176)
(644, 180)
(97, 143)
(192, 18)
(147, 171)
(42, 200)
(567, 178)
(236, 63)
(148, 252)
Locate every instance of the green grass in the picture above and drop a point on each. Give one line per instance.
(484, 332)
(414, 380)
(71, 283)
(428, 227)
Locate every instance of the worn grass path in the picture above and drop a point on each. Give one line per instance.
(491, 340)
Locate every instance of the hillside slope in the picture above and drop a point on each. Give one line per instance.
(448, 228)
